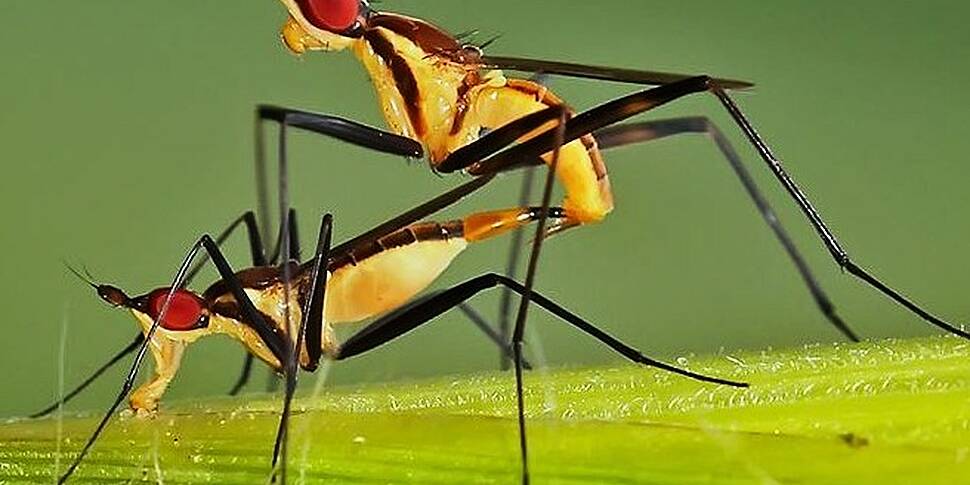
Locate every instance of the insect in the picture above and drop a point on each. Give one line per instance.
(330, 25)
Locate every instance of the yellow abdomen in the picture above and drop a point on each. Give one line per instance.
(580, 168)
(386, 281)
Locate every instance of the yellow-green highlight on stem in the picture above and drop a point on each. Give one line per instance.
(876, 412)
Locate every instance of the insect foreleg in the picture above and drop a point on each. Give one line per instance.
(129, 381)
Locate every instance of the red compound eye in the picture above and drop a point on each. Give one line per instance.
(332, 15)
(183, 311)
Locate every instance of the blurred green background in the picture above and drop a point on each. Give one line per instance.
(125, 133)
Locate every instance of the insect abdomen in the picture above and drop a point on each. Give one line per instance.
(385, 274)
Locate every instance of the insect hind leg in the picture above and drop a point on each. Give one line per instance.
(647, 131)
(392, 326)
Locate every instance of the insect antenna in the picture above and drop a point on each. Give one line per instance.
(468, 34)
(489, 42)
(85, 277)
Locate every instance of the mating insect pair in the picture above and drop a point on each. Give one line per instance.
(438, 97)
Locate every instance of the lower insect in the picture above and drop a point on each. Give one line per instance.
(283, 312)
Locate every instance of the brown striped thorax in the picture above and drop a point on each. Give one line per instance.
(434, 89)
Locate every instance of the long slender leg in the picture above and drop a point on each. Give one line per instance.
(676, 86)
(283, 255)
(101, 370)
(386, 142)
(514, 254)
(313, 325)
(505, 299)
(512, 263)
(295, 251)
(840, 256)
(477, 319)
(627, 106)
(621, 135)
(290, 246)
(388, 328)
(332, 126)
(518, 333)
(246, 305)
(309, 334)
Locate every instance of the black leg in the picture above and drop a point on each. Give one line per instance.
(358, 134)
(342, 129)
(825, 234)
(248, 310)
(511, 267)
(251, 316)
(389, 327)
(295, 251)
(289, 250)
(311, 326)
(101, 370)
(283, 253)
(518, 332)
(676, 87)
(620, 135)
(506, 357)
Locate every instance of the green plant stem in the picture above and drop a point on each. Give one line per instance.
(875, 412)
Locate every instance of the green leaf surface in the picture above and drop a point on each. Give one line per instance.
(876, 412)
